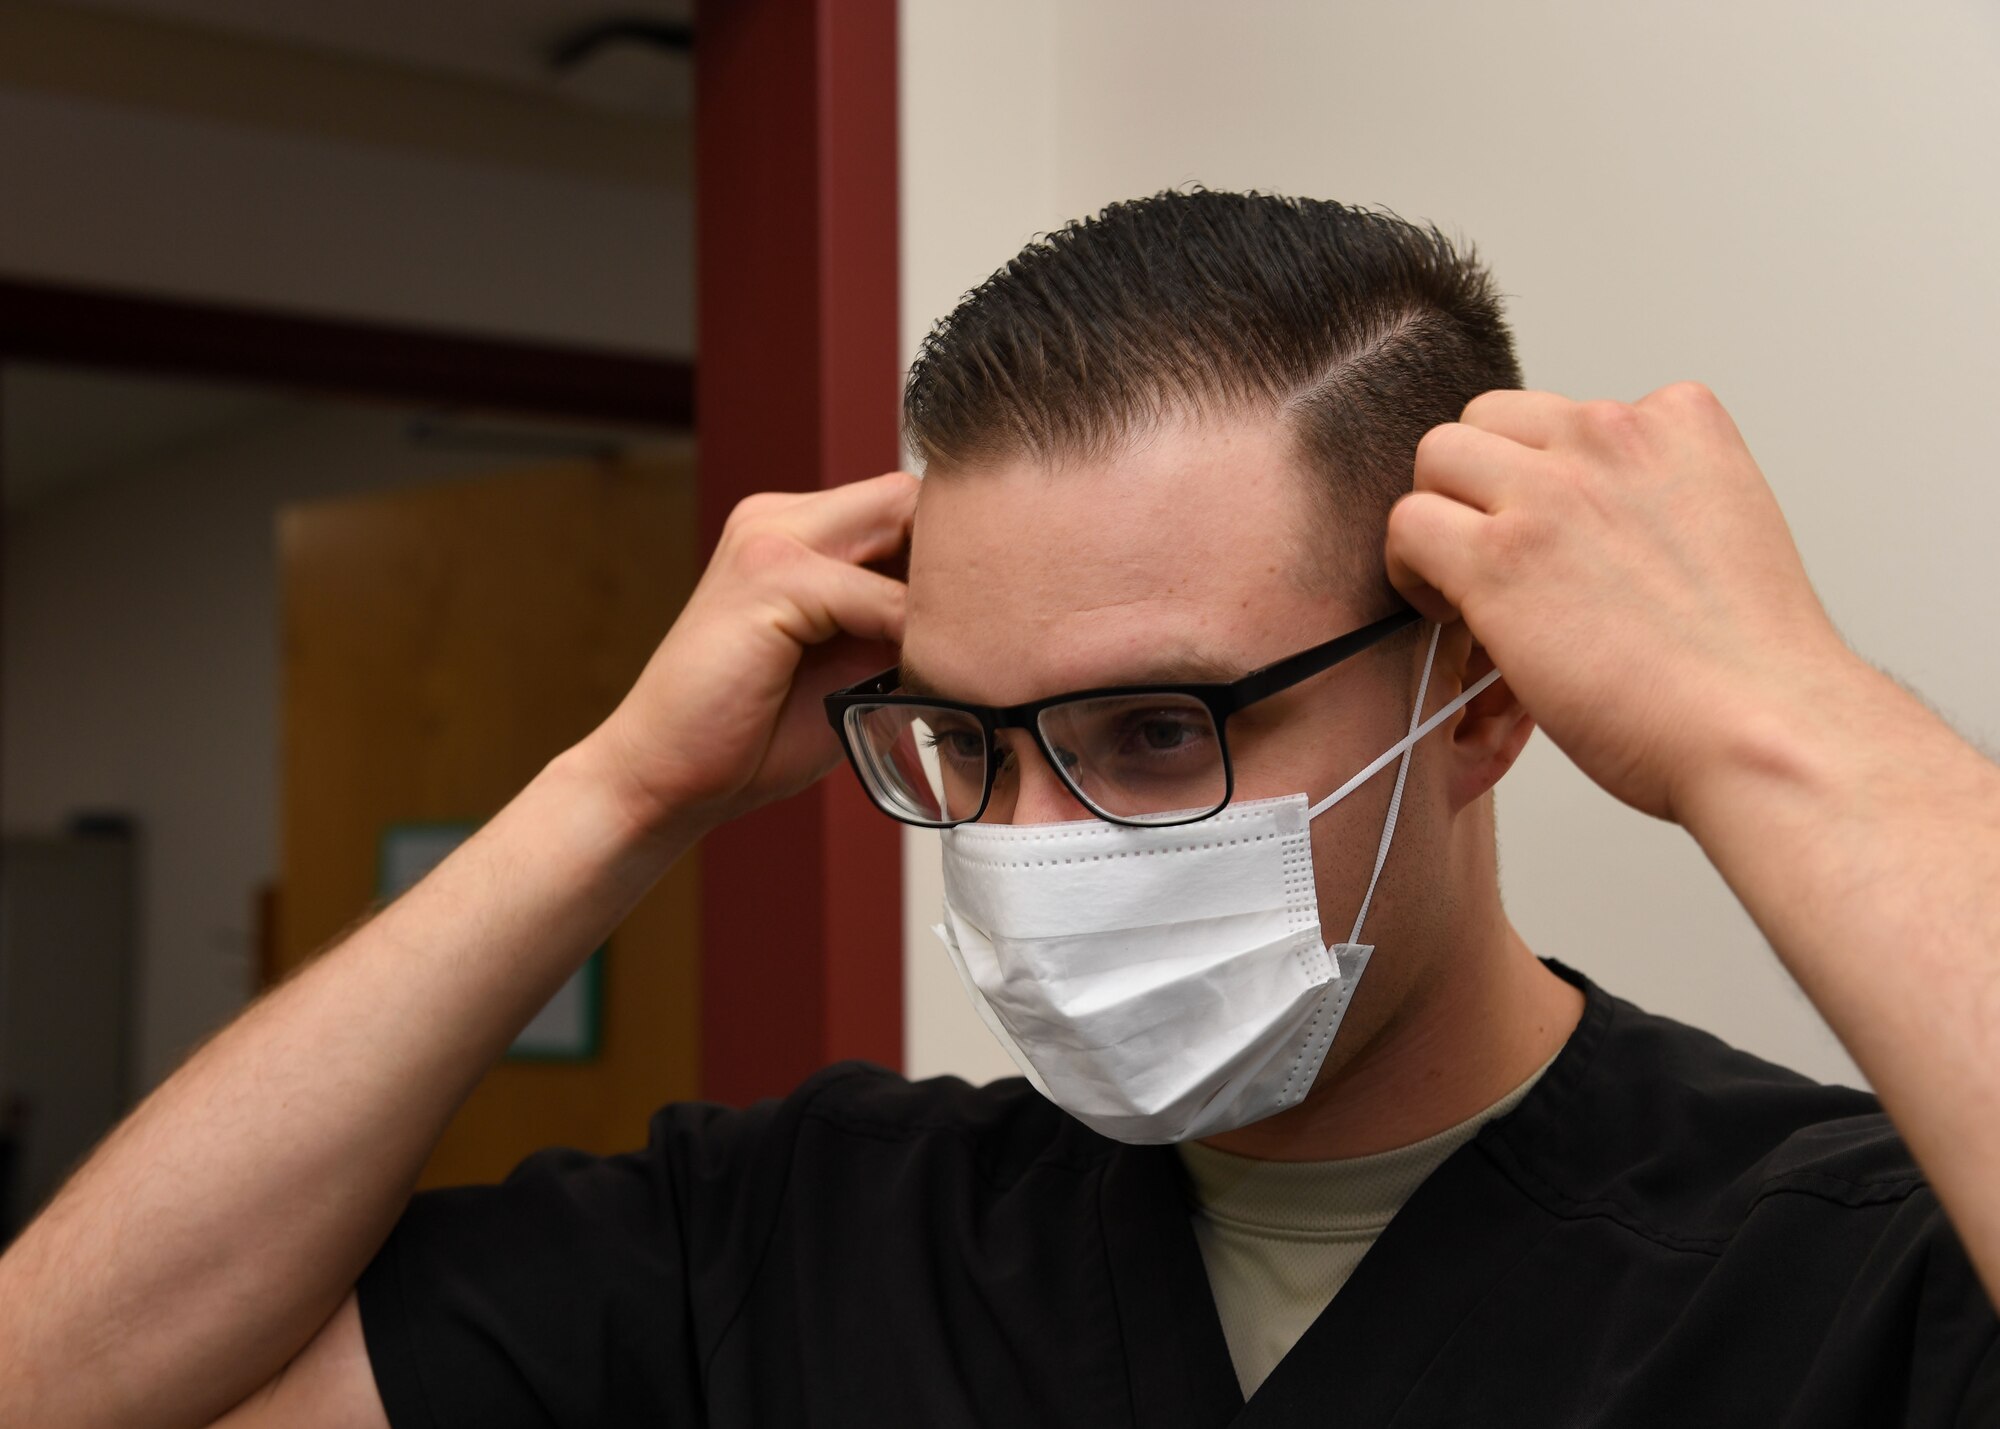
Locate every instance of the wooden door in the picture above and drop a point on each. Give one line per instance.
(441, 645)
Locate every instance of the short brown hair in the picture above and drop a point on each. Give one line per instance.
(1357, 328)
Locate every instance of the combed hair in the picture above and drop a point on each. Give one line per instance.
(1356, 328)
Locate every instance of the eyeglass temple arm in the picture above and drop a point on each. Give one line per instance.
(1282, 674)
(885, 683)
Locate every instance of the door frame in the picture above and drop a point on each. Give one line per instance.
(796, 213)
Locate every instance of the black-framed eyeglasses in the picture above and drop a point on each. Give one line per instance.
(1148, 755)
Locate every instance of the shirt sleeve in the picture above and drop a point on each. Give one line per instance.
(582, 1290)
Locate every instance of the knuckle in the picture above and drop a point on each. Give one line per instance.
(1436, 444)
(1514, 539)
(1484, 405)
(1615, 422)
(1691, 394)
(761, 552)
(749, 509)
(1403, 519)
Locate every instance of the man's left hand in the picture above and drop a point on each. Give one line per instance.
(1627, 567)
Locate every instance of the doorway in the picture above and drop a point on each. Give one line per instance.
(139, 691)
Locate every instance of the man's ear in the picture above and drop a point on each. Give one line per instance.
(1488, 735)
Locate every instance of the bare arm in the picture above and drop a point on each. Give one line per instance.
(220, 1227)
(329, 1386)
(1628, 567)
(1864, 838)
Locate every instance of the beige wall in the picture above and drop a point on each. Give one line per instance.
(1791, 202)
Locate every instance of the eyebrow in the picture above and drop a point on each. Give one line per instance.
(1183, 667)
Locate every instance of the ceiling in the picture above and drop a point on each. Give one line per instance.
(504, 41)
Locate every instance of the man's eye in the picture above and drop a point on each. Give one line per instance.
(1161, 734)
(1165, 734)
(959, 746)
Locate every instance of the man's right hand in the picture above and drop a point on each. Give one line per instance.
(727, 714)
(200, 1249)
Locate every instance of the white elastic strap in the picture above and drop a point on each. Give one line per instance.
(1396, 795)
(1472, 692)
(1395, 751)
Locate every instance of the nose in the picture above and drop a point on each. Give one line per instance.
(1028, 791)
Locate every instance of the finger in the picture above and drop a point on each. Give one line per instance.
(1497, 697)
(1681, 396)
(1430, 553)
(1692, 407)
(1471, 465)
(1534, 419)
(763, 505)
(861, 521)
(836, 598)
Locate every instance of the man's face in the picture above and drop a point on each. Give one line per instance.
(1184, 556)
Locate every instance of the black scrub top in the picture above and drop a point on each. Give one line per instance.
(1665, 1232)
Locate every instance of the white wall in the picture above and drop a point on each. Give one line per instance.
(1791, 202)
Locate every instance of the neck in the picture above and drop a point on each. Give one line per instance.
(1458, 1042)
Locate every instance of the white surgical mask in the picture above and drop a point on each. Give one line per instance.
(1164, 984)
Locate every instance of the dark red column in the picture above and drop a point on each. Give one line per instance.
(797, 378)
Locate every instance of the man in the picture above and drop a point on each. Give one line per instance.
(1271, 996)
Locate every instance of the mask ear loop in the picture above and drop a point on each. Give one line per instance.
(1403, 749)
(1396, 797)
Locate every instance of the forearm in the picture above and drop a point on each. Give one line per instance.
(1864, 837)
(214, 1231)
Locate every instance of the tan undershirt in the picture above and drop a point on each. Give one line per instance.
(1279, 1238)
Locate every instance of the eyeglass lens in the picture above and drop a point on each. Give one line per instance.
(920, 762)
(1141, 758)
